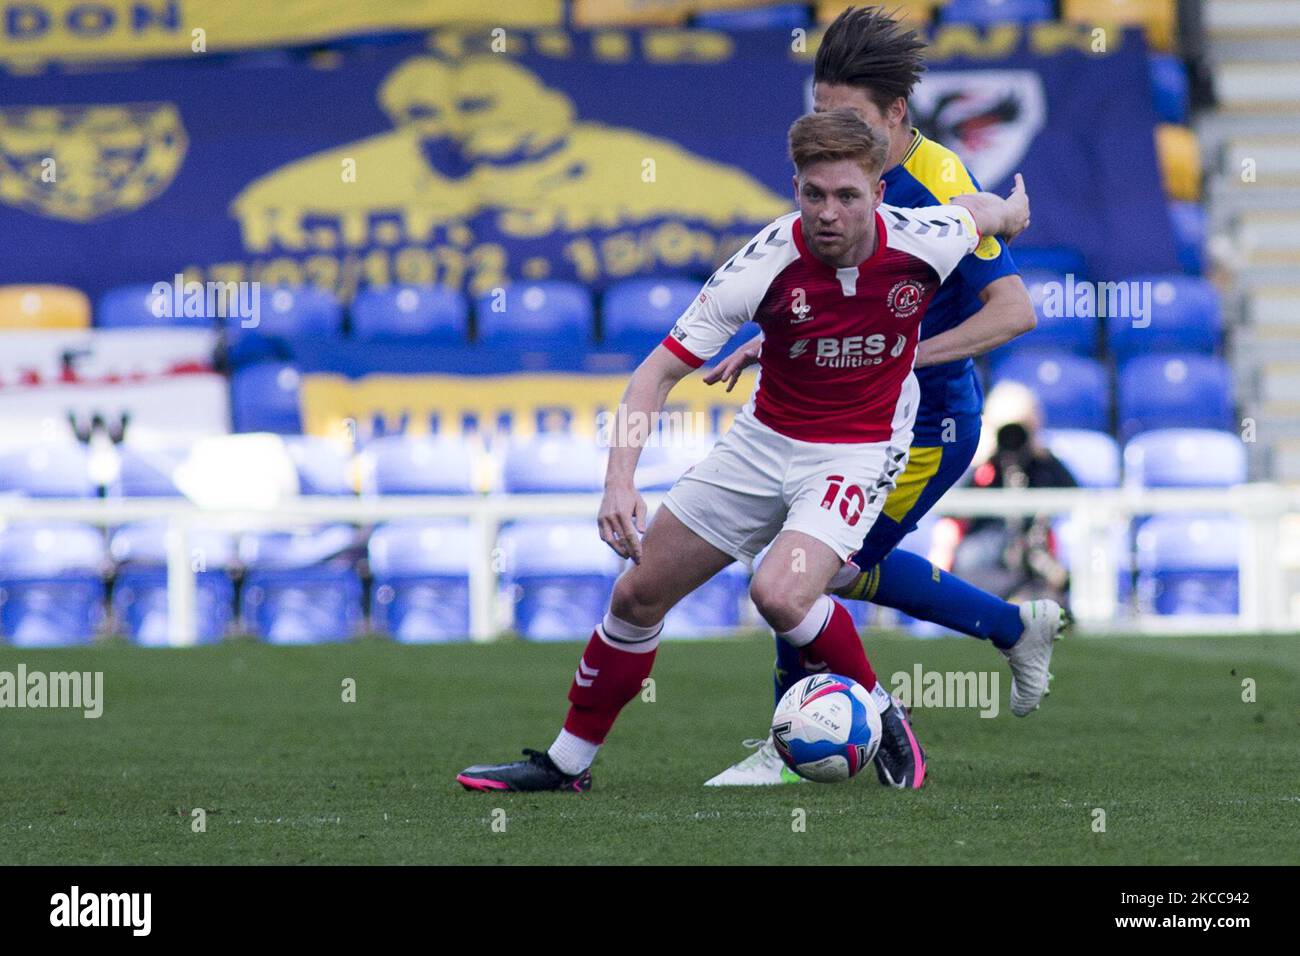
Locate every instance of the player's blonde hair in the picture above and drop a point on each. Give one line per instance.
(836, 135)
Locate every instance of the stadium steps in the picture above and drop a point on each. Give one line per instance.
(1254, 220)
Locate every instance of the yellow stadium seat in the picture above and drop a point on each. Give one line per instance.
(1158, 17)
(918, 13)
(43, 307)
(1180, 161)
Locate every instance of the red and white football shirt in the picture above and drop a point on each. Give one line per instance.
(838, 344)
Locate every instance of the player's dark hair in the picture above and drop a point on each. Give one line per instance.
(867, 48)
(835, 135)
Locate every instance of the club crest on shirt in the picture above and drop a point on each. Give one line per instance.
(905, 297)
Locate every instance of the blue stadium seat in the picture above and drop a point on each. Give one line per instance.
(147, 472)
(560, 574)
(302, 587)
(553, 462)
(779, 16)
(1170, 88)
(51, 584)
(264, 398)
(1185, 458)
(713, 609)
(133, 306)
(432, 314)
(1063, 325)
(1184, 317)
(1057, 259)
(1073, 391)
(1174, 391)
(49, 470)
(1187, 564)
(637, 313)
(286, 316)
(1190, 229)
(535, 314)
(660, 465)
(420, 592)
(419, 465)
(998, 11)
(322, 466)
(1091, 456)
(140, 586)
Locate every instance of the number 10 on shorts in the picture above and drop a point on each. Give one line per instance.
(851, 501)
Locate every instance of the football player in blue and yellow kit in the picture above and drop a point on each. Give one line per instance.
(869, 63)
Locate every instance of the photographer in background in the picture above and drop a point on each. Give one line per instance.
(1014, 558)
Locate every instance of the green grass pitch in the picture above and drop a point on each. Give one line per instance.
(1153, 731)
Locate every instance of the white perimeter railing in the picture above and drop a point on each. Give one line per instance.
(1095, 515)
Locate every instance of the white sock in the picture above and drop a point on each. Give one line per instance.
(845, 576)
(572, 754)
(806, 631)
(881, 698)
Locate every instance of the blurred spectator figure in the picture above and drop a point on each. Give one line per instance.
(1014, 558)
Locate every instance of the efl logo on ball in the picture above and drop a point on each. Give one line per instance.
(826, 728)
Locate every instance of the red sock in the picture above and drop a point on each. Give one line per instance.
(840, 649)
(609, 675)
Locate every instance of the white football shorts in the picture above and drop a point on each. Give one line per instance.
(756, 483)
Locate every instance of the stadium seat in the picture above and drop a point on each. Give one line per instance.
(147, 472)
(134, 306)
(286, 316)
(1092, 456)
(302, 587)
(1185, 457)
(420, 592)
(322, 466)
(1179, 154)
(431, 314)
(49, 470)
(552, 463)
(1157, 17)
(781, 16)
(1190, 230)
(560, 575)
(637, 313)
(1065, 322)
(1184, 316)
(998, 11)
(1174, 391)
(1170, 86)
(264, 398)
(1073, 391)
(713, 609)
(661, 464)
(536, 315)
(51, 584)
(43, 307)
(1187, 564)
(418, 465)
(140, 585)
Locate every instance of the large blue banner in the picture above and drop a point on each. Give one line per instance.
(591, 156)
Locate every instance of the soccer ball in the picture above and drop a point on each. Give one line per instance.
(826, 728)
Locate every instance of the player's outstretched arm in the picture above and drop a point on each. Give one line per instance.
(1007, 312)
(995, 216)
(622, 509)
